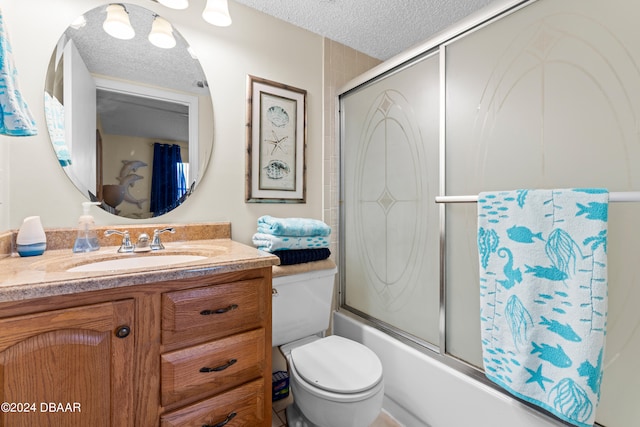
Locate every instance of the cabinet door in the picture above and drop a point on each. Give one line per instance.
(69, 367)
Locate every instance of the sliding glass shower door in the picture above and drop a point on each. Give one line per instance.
(389, 222)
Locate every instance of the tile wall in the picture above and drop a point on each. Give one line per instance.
(341, 64)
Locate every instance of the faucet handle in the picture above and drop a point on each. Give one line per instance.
(126, 245)
(156, 244)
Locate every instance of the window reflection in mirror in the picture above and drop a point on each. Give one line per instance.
(129, 122)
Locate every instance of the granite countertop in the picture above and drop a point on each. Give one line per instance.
(46, 275)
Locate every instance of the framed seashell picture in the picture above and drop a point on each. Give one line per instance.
(276, 141)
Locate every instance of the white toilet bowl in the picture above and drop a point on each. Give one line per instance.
(336, 382)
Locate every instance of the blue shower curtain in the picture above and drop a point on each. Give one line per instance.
(168, 183)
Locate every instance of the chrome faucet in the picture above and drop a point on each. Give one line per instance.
(156, 244)
(142, 245)
(126, 245)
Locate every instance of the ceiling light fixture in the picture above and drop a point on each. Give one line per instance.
(175, 4)
(161, 34)
(117, 22)
(79, 22)
(216, 12)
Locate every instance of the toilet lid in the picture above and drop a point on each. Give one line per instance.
(337, 364)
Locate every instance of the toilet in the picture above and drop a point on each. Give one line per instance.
(335, 381)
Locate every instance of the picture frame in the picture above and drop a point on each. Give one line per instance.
(276, 142)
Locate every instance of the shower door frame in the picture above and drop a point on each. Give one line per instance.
(437, 45)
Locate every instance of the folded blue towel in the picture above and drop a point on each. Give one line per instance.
(270, 243)
(292, 226)
(15, 117)
(543, 292)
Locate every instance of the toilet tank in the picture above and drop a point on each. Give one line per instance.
(301, 305)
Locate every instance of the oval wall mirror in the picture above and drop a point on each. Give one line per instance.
(130, 122)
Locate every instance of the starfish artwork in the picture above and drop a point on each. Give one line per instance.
(277, 143)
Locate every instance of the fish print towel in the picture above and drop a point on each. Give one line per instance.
(54, 116)
(543, 295)
(15, 117)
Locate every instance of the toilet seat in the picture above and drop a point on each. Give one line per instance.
(337, 365)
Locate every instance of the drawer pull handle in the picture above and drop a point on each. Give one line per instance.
(219, 368)
(222, 423)
(220, 310)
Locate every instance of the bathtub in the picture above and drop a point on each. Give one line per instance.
(423, 392)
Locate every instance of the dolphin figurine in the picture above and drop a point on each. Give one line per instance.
(129, 180)
(130, 166)
(128, 197)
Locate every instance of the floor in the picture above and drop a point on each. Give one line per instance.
(279, 418)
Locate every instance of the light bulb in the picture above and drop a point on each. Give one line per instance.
(79, 22)
(217, 13)
(175, 4)
(161, 34)
(117, 23)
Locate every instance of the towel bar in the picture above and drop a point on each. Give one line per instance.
(626, 196)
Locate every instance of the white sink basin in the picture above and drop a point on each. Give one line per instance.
(135, 262)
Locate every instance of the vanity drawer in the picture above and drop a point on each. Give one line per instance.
(246, 402)
(213, 311)
(212, 367)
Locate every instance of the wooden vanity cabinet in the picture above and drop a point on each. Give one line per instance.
(218, 335)
(191, 352)
(68, 367)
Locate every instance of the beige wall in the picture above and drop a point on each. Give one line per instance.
(254, 44)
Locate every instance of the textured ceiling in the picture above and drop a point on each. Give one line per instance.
(379, 28)
(136, 59)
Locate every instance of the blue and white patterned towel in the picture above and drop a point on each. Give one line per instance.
(270, 243)
(15, 117)
(54, 115)
(543, 295)
(292, 226)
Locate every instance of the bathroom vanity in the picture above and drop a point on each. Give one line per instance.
(174, 345)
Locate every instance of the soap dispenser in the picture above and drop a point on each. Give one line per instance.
(87, 239)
